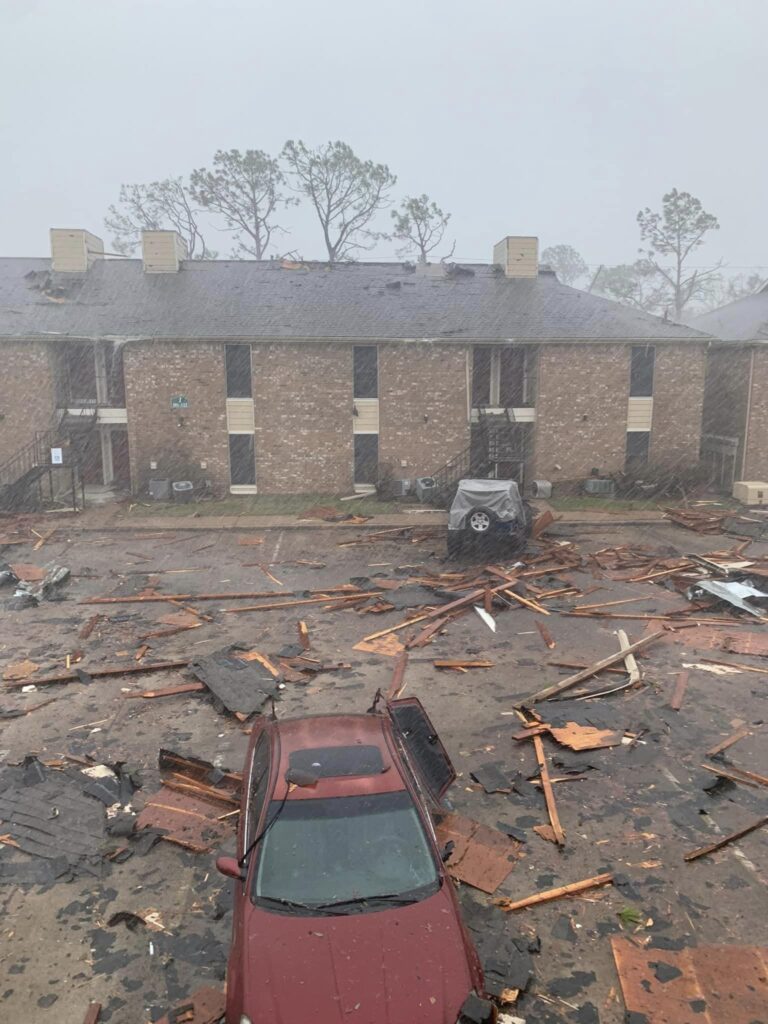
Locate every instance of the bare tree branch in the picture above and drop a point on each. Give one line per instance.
(165, 204)
(420, 224)
(345, 192)
(246, 189)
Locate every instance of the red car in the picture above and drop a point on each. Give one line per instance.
(343, 911)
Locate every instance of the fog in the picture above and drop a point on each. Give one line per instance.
(555, 119)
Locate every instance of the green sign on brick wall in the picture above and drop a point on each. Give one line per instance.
(179, 402)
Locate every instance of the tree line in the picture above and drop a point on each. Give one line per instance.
(664, 279)
(246, 193)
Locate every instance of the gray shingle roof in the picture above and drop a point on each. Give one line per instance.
(245, 299)
(743, 320)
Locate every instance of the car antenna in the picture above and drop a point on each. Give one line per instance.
(293, 777)
(374, 707)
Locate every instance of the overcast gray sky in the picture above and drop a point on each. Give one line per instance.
(559, 118)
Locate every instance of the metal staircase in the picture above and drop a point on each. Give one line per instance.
(22, 475)
(495, 441)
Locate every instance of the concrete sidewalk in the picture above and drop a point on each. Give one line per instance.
(113, 517)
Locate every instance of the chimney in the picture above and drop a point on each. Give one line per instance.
(162, 251)
(74, 250)
(518, 255)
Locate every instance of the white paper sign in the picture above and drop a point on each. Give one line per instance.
(57, 457)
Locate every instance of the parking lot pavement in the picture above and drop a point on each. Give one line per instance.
(633, 809)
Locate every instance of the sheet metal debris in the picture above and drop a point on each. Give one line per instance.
(735, 593)
(702, 985)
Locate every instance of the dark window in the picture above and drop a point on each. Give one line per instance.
(113, 362)
(239, 384)
(242, 463)
(258, 785)
(512, 378)
(641, 372)
(366, 372)
(481, 377)
(638, 444)
(344, 850)
(366, 458)
(335, 762)
(80, 370)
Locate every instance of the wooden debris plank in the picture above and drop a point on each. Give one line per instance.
(43, 538)
(737, 774)
(171, 631)
(567, 663)
(584, 737)
(707, 985)
(303, 631)
(718, 748)
(612, 604)
(629, 659)
(545, 635)
(330, 601)
(533, 605)
(141, 652)
(555, 894)
(736, 664)
(571, 681)
(262, 660)
(397, 685)
(92, 1014)
(549, 795)
(738, 834)
(169, 691)
(461, 663)
(481, 856)
(98, 673)
(89, 626)
(679, 692)
(422, 638)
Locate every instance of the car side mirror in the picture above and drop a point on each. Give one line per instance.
(448, 849)
(229, 866)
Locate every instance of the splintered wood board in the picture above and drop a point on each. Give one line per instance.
(480, 856)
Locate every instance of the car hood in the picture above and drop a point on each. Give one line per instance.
(380, 967)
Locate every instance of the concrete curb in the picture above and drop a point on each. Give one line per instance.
(93, 523)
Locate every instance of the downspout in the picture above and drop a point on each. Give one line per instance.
(749, 411)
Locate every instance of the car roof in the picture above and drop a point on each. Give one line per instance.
(338, 731)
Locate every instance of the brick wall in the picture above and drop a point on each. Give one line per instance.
(177, 439)
(581, 410)
(27, 401)
(303, 408)
(678, 398)
(418, 380)
(756, 465)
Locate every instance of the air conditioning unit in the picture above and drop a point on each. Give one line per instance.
(596, 485)
(751, 492)
(399, 488)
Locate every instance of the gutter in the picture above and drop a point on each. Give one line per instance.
(748, 414)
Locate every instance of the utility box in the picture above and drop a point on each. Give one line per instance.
(597, 485)
(160, 490)
(751, 492)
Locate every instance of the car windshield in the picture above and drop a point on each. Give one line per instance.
(322, 852)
